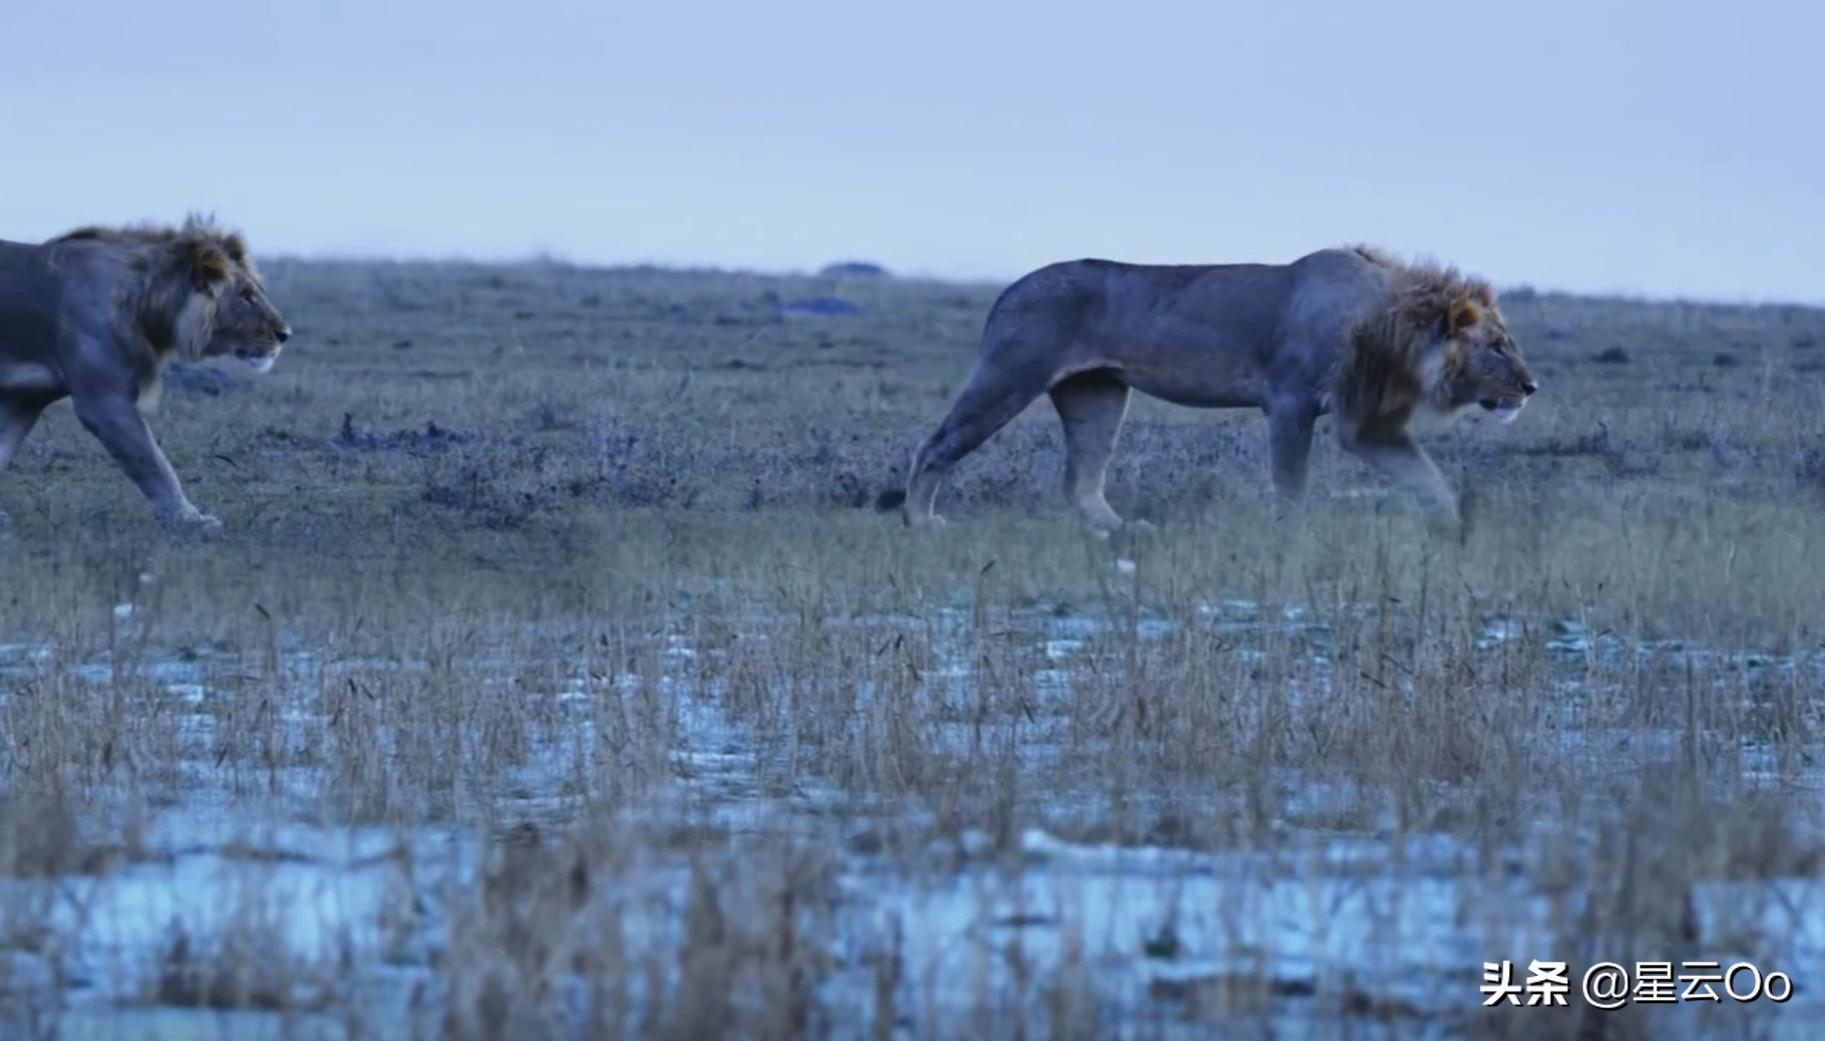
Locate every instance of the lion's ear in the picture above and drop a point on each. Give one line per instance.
(1463, 314)
(210, 268)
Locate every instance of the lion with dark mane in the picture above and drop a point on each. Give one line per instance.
(94, 315)
(1352, 332)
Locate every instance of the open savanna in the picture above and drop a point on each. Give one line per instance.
(555, 677)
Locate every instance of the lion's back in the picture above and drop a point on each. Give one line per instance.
(46, 289)
(1120, 298)
(19, 264)
(29, 294)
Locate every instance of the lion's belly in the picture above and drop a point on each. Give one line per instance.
(29, 379)
(1214, 383)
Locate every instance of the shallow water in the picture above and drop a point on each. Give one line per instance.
(1392, 927)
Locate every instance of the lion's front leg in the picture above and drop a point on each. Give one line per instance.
(1394, 454)
(1289, 442)
(116, 422)
(16, 421)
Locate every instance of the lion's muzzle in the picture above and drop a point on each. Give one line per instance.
(1507, 406)
(262, 356)
(261, 359)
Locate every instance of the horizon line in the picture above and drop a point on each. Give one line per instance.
(537, 257)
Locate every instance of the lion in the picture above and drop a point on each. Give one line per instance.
(94, 315)
(1350, 331)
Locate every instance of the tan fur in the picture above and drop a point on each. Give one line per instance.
(1386, 373)
(100, 312)
(181, 274)
(1354, 331)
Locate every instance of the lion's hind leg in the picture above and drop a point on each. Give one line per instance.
(1091, 405)
(992, 398)
(16, 420)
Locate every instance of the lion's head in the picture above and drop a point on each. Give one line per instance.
(1440, 342)
(1480, 363)
(196, 293)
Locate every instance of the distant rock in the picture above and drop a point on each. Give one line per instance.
(1612, 356)
(854, 269)
(821, 305)
(199, 379)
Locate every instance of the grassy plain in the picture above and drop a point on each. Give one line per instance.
(555, 677)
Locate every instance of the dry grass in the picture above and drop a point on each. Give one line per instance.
(552, 628)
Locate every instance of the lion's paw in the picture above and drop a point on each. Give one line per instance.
(1447, 525)
(193, 522)
(1122, 531)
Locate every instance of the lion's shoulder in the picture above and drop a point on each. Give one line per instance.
(1420, 283)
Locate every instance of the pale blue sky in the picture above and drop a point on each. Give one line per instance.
(1659, 148)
